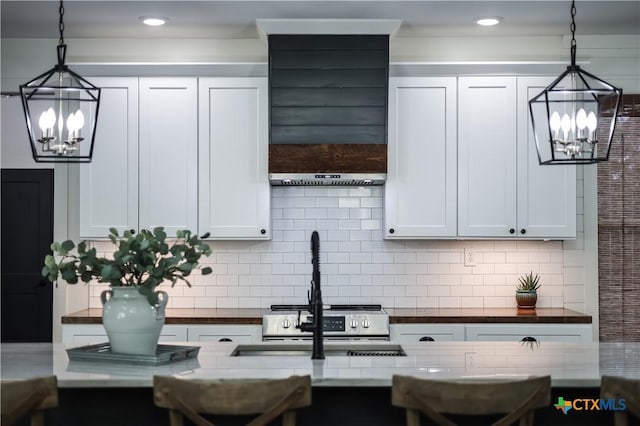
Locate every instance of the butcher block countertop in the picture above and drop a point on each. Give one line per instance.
(487, 315)
(205, 316)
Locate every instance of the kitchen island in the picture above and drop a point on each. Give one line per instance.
(575, 368)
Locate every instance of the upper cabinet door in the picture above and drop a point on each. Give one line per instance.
(420, 192)
(546, 194)
(109, 184)
(169, 153)
(487, 157)
(235, 193)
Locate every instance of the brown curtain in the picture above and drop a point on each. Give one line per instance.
(619, 229)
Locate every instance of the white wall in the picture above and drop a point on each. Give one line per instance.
(413, 273)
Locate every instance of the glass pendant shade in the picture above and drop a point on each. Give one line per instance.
(574, 118)
(61, 112)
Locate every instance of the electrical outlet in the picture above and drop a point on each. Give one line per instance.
(469, 257)
(469, 359)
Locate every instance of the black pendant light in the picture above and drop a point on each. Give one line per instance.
(61, 111)
(574, 118)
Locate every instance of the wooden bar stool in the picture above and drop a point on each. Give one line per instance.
(516, 399)
(30, 396)
(612, 387)
(269, 398)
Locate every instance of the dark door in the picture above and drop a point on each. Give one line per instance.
(27, 233)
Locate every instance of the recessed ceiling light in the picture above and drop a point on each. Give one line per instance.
(153, 21)
(489, 21)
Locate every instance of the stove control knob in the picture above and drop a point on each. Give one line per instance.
(366, 323)
(354, 323)
(286, 323)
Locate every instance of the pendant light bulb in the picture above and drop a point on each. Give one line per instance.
(581, 119)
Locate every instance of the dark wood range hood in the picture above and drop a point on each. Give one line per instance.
(328, 109)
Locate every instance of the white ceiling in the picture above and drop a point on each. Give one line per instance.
(237, 19)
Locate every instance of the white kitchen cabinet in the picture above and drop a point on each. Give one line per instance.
(95, 333)
(546, 194)
(418, 333)
(238, 333)
(234, 194)
(168, 134)
(486, 156)
(420, 191)
(518, 332)
(109, 183)
(502, 190)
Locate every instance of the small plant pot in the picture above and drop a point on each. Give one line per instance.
(526, 299)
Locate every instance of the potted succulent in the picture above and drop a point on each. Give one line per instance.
(133, 311)
(527, 291)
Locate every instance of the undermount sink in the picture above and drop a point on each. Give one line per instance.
(301, 349)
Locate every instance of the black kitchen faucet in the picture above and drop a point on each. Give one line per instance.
(315, 302)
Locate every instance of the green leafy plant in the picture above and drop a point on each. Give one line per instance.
(143, 260)
(529, 282)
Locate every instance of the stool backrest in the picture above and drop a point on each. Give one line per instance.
(617, 388)
(269, 398)
(30, 396)
(516, 399)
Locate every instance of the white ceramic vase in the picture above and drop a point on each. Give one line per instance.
(132, 324)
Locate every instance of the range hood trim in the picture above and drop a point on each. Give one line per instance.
(327, 179)
(267, 27)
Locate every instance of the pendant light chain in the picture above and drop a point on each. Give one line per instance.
(62, 48)
(61, 23)
(573, 34)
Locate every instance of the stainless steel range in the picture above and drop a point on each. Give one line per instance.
(340, 322)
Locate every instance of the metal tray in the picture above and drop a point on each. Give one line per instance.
(102, 353)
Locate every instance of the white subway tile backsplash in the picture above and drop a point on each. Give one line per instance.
(249, 257)
(282, 268)
(450, 257)
(438, 290)
(349, 247)
(359, 266)
(291, 213)
(348, 202)
(371, 202)
(347, 268)
(450, 302)
(238, 269)
(371, 268)
(326, 224)
(337, 257)
(355, 257)
(371, 224)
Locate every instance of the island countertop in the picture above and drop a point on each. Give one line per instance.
(396, 316)
(569, 364)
